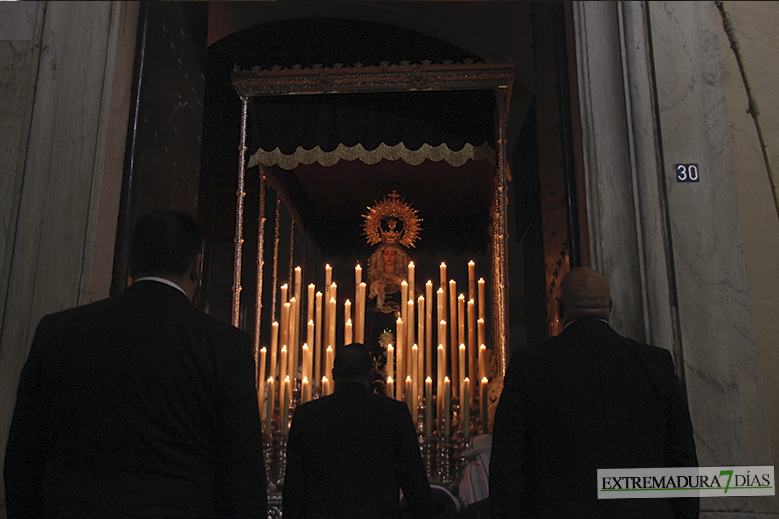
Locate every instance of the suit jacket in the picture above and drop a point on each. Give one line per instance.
(138, 405)
(348, 455)
(583, 400)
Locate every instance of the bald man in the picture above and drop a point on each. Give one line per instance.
(584, 400)
(349, 454)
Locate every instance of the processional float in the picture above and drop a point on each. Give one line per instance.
(436, 357)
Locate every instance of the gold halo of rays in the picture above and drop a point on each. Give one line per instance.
(392, 206)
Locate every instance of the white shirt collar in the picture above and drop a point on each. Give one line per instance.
(162, 280)
(569, 323)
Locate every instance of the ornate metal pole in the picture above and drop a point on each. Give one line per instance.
(240, 194)
(260, 265)
(499, 229)
(275, 282)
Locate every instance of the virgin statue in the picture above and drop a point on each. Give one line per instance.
(393, 225)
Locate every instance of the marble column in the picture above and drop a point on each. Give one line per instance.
(651, 93)
(66, 93)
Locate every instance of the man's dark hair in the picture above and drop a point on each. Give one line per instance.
(164, 242)
(352, 363)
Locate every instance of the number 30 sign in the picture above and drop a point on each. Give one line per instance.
(687, 173)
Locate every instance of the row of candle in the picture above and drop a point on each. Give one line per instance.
(412, 364)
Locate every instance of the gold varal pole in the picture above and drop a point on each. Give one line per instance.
(240, 194)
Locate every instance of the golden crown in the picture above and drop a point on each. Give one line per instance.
(392, 221)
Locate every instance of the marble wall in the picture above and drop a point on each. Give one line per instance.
(657, 100)
(756, 26)
(65, 101)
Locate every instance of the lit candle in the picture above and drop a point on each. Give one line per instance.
(429, 329)
(310, 301)
(390, 360)
(283, 365)
(329, 357)
(466, 409)
(325, 386)
(443, 288)
(482, 361)
(414, 373)
(461, 319)
(293, 344)
(480, 333)
(410, 396)
(331, 324)
(390, 387)
(318, 351)
(403, 299)
(274, 346)
(305, 391)
(284, 328)
(269, 405)
(421, 324)
(453, 344)
(428, 407)
(261, 376)
(440, 381)
(461, 359)
(481, 298)
(442, 341)
(408, 323)
(357, 276)
(447, 407)
(400, 353)
(326, 302)
(360, 313)
(471, 280)
(440, 308)
(285, 407)
(420, 376)
(347, 315)
(284, 288)
(411, 280)
(348, 332)
(483, 406)
(472, 341)
(310, 338)
(306, 370)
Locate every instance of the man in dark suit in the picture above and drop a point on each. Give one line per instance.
(139, 405)
(584, 400)
(349, 453)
